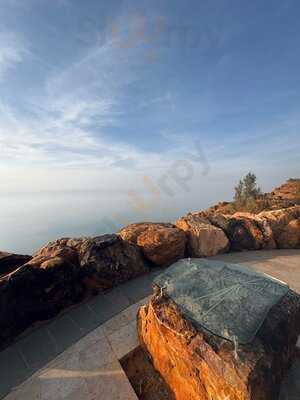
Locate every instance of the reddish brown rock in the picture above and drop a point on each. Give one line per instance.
(204, 239)
(161, 243)
(197, 365)
(131, 232)
(109, 260)
(279, 220)
(289, 238)
(58, 276)
(104, 260)
(58, 248)
(246, 231)
(10, 262)
(289, 190)
(256, 227)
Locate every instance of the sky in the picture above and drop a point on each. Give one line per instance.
(148, 97)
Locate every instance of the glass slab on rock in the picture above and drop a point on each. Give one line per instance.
(230, 301)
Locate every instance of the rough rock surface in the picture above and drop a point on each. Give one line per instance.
(10, 262)
(161, 243)
(246, 231)
(38, 290)
(279, 219)
(105, 261)
(289, 190)
(58, 275)
(204, 239)
(289, 238)
(131, 232)
(163, 246)
(197, 365)
(111, 260)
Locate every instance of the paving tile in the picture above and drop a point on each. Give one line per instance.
(13, 371)
(64, 332)
(84, 317)
(115, 323)
(77, 393)
(88, 340)
(27, 391)
(108, 305)
(137, 289)
(37, 348)
(124, 340)
(59, 384)
(111, 383)
(131, 312)
(68, 376)
(97, 355)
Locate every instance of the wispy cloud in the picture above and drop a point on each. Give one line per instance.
(66, 119)
(12, 51)
(69, 118)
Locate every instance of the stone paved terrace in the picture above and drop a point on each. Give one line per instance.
(76, 355)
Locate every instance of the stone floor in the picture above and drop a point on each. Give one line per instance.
(38, 346)
(89, 369)
(76, 356)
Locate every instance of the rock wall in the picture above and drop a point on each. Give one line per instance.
(60, 274)
(63, 271)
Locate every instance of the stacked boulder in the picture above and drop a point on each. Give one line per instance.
(200, 234)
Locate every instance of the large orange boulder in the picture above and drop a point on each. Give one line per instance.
(131, 232)
(204, 239)
(197, 365)
(161, 243)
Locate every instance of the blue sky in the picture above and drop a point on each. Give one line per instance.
(98, 94)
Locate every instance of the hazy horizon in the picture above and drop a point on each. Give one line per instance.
(33, 219)
(104, 103)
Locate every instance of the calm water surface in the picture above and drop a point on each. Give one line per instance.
(30, 220)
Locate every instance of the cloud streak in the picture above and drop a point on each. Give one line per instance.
(12, 52)
(66, 120)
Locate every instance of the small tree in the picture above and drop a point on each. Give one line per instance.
(251, 189)
(246, 192)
